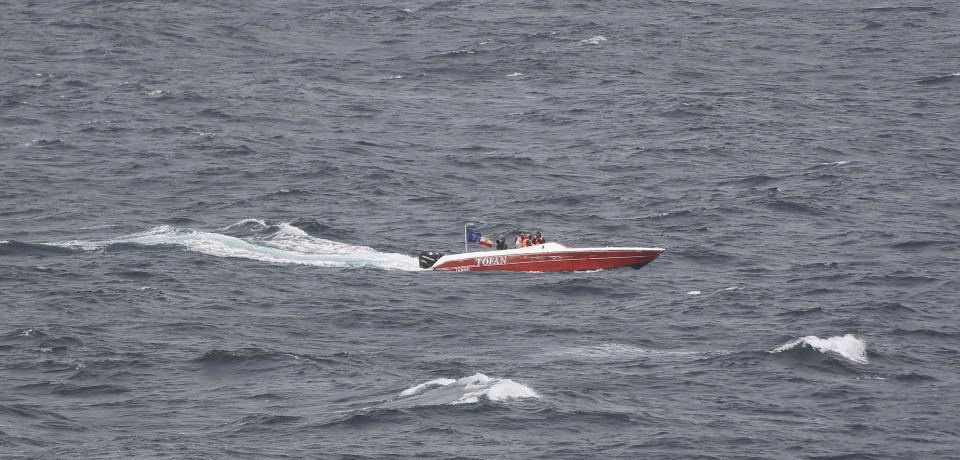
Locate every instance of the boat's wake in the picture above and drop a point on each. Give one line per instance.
(285, 244)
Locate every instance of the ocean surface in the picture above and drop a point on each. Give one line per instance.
(210, 213)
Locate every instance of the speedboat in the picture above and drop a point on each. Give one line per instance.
(546, 257)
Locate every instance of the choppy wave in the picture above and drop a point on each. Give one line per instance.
(28, 332)
(218, 357)
(20, 248)
(286, 245)
(466, 390)
(847, 346)
(939, 79)
(618, 350)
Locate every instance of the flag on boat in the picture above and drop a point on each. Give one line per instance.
(474, 236)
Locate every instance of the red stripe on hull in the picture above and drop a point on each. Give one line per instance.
(552, 261)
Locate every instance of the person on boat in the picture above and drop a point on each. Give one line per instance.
(501, 244)
(523, 240)
(538, 239)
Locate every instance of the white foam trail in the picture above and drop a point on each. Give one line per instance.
(847, 346)
(84, 245)
(289, 245)
(468, 390)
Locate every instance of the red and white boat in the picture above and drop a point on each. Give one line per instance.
(547, 257)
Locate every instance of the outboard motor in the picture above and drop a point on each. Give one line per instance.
(428, 258)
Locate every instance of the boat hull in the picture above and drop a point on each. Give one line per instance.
(549, 261)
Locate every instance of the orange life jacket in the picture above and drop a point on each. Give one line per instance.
(537, 240)
(524, 242)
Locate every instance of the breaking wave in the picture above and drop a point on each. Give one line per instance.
(466, 390)
(847, 346)
(441, 382)
(287, 245)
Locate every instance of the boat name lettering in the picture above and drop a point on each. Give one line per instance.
(482, 261)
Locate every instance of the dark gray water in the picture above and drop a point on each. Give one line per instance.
(209, 212)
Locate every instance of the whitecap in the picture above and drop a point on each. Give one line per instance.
(245, 222)
(847, 346)
(466, 390)
(715, 291)
(593, 40)
(515, 74)
(432, 383)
